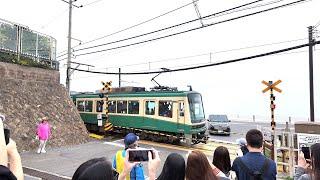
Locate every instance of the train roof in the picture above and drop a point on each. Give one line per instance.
(138, 94)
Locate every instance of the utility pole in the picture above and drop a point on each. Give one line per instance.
(69, 48)
(119, 77)
(311, 43)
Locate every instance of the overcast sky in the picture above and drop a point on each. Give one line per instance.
(234, 88)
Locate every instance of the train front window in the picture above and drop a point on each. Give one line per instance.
(196, 108)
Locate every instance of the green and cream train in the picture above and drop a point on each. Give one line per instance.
(169, 116)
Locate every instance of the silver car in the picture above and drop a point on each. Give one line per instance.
(219, 124)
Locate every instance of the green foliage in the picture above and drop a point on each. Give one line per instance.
(24, 61)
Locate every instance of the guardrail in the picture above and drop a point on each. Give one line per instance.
(19, 40)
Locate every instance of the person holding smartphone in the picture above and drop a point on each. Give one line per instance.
(137, 172)
(309, 169)
(9, 157)
(153, 165)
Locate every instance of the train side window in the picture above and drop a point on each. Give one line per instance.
(112, 106)
(122, 107)
(181, 109)
(165, 108)
(80, 106)
(88, 106)
(150, 107)
(99, 106)
(133, 107)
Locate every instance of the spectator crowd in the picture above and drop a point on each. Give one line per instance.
(250, 163)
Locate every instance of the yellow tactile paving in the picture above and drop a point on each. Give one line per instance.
(95, 136)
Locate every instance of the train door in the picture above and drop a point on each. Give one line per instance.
(181, 117)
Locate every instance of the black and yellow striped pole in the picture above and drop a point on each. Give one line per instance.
(272, 107)
(107, 88)
(272, 86)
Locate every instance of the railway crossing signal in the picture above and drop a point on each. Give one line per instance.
(272, 86)
(107, 88)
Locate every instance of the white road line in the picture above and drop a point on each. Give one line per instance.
(114, 144)
(221, 141)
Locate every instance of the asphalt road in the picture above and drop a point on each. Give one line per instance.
(239, 130)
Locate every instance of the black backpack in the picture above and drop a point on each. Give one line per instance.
(255, 175)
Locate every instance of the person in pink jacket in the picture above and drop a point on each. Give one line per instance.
(43, 133)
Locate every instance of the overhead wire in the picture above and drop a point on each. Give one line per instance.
(206, 65)
(89, 4)
(193, 29)
(315, 26)
(166, 28)
(130, 27)
(244, 8)
(203, 63)
(54, 19)
(280, 54)
(203, 54)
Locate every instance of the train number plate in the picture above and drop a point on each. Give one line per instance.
(99, 122)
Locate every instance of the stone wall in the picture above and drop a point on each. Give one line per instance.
(27, 94)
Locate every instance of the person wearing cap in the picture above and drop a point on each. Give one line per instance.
(130, 142)
(243, 147)
(43, 133)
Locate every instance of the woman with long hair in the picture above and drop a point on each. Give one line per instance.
(94, 169)
(198, 167)
(309, 170)
(221, 160)
(173, 168)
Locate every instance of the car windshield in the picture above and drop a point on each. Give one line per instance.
(196, 108)
(218, 118)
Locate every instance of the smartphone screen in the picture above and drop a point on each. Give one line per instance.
(6, 135)
(138, 155)
(306, 152)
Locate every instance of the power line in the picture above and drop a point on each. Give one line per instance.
(143, 22)
(89, 4)
(204, 54)
(189, 30)
(54, 19)
(206, 65)
(315, 26)
(170, 27)
(243, 9)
